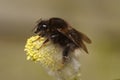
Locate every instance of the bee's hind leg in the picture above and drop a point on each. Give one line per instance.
(65, 56)
(67, 50)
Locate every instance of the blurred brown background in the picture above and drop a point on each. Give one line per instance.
(99, 19)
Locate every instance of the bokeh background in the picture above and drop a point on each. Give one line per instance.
(99, 19)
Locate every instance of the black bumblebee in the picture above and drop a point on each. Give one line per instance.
(60, 32)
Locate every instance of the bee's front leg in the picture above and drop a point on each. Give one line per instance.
(44, 43)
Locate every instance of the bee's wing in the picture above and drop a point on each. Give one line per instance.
(84, 37)
(76, 37)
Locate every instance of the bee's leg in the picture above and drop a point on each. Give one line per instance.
(45, 42)
(69, 48)
(65, 54)
(36, 39)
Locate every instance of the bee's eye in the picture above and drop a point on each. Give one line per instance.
(44, 25)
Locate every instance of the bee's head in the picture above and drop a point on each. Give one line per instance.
(46, 27)
(42, 28)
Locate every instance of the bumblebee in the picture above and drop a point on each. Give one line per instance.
(58, 31)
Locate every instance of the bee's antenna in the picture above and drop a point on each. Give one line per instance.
(37, 24)
(38, 21)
